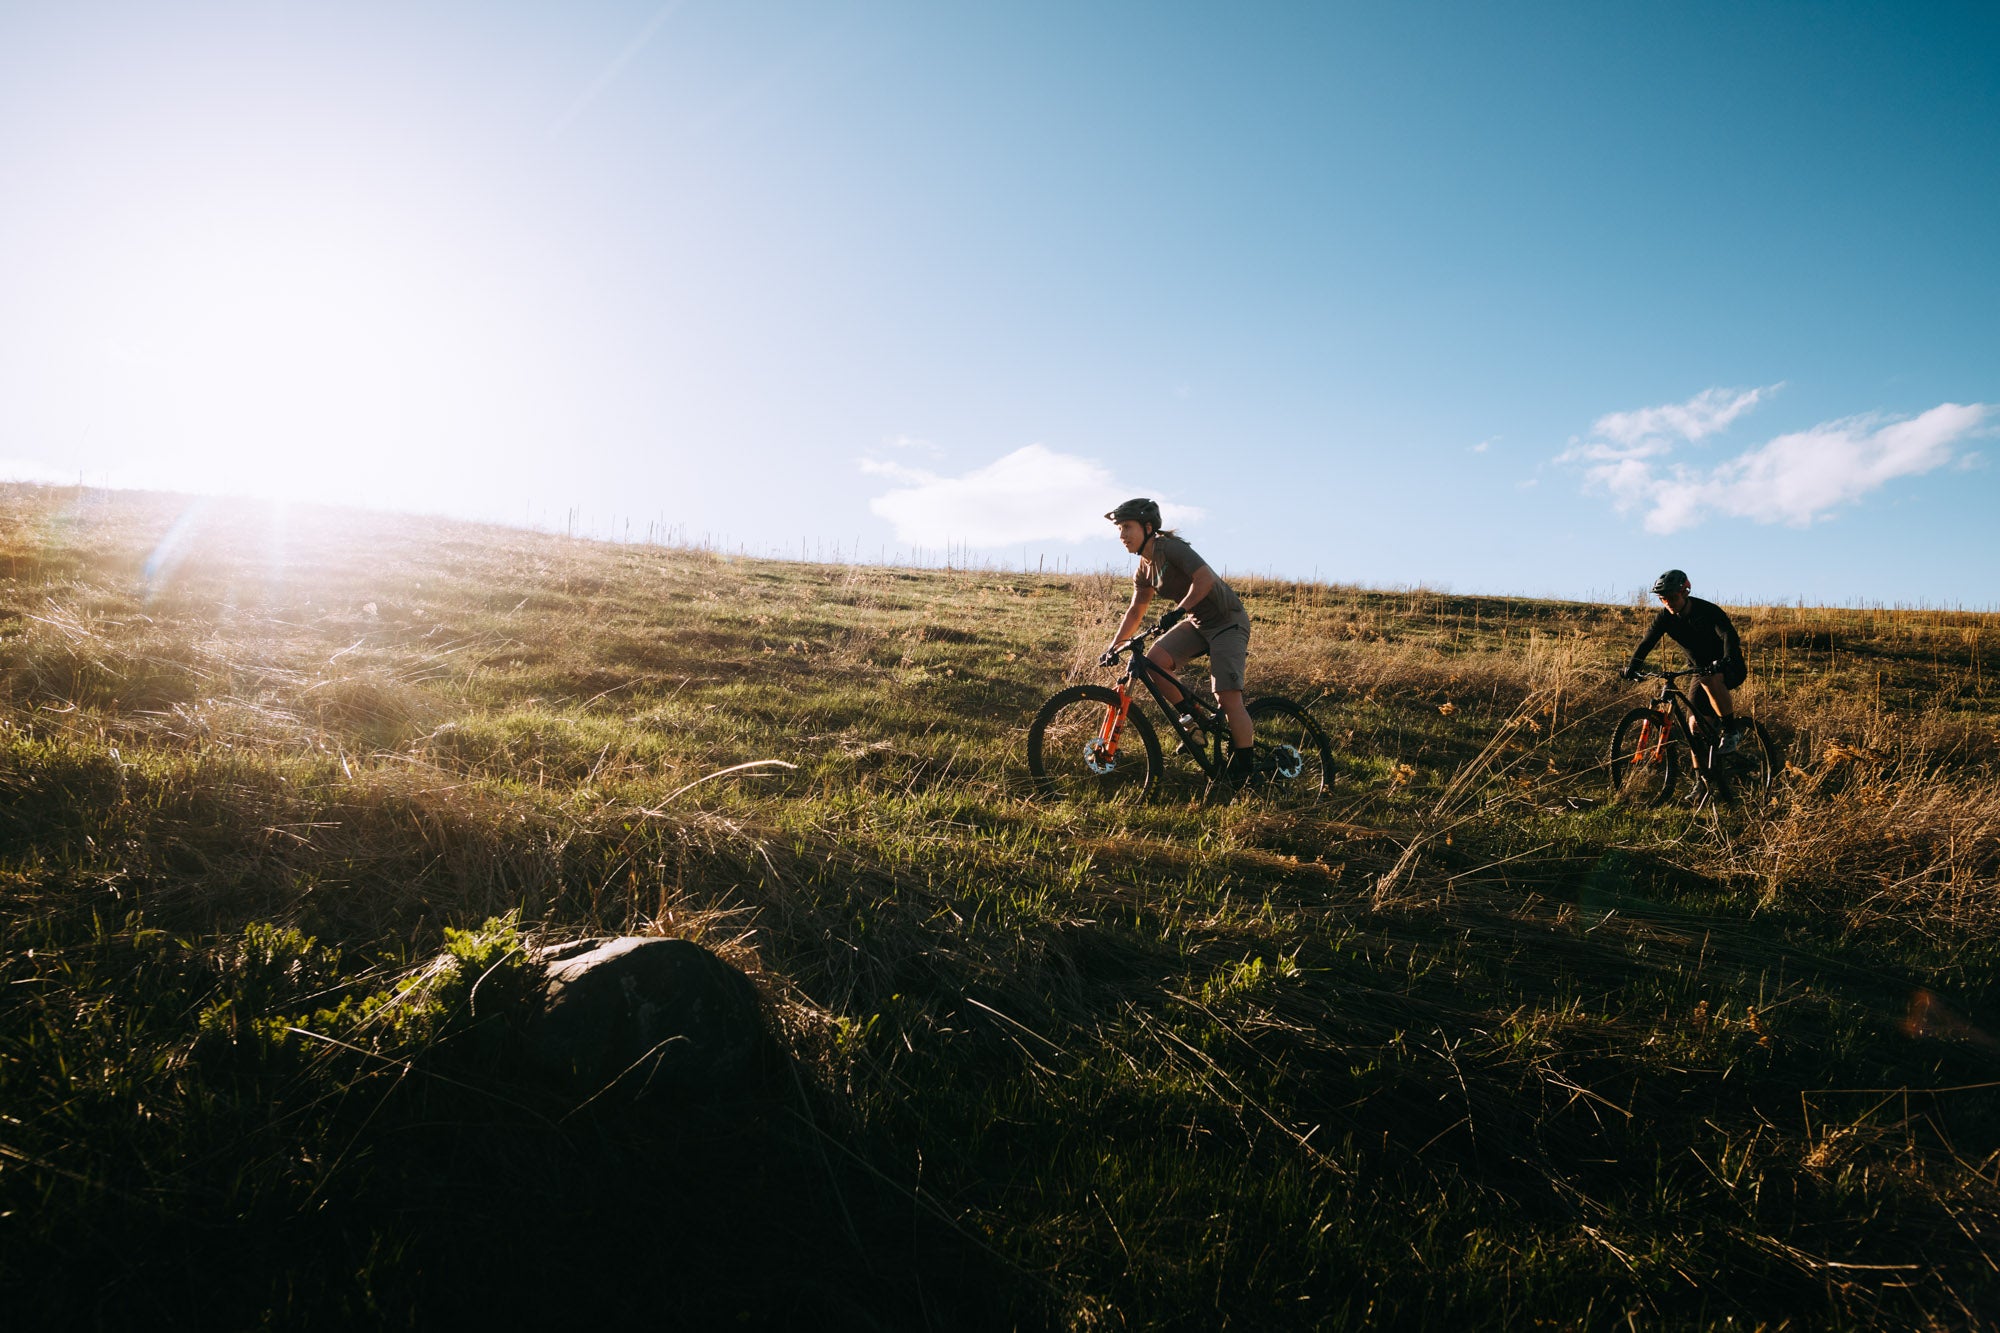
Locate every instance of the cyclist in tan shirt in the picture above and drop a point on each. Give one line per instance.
(1207, 617)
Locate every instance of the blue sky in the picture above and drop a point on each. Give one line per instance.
(1536, 298)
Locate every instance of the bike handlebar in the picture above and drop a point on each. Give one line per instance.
(1668, 675)
(1135, 642)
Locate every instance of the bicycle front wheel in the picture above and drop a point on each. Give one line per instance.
(1644, 755)
(1294, 757)
(1071, 758)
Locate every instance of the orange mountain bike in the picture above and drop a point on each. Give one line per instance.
(1090, 740)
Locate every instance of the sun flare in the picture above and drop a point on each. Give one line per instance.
(291, 351)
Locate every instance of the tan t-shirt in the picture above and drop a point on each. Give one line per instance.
(1170, 573)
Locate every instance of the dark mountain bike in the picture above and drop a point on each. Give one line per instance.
(1678, 731)
(1089, 740)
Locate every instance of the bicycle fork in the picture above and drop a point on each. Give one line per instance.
(1653, 741)
(1114, 724)
(1653, 738)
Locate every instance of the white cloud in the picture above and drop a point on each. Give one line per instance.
(1484, 444)
(1701, 416)
(1792, 479)
(882, 467)
(1649, 432)
(1032, 494)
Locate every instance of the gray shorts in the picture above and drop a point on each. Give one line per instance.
(1228, 650)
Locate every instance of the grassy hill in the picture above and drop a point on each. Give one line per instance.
(1463, 1045)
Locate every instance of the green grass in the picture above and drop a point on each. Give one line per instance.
(1463, 1044)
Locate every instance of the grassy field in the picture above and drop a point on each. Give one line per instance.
(1463, 1045)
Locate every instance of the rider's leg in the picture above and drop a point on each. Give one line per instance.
(1228, 649)
(1718, 694)
(1242, 760)
(1717, 690)
(1177, 647)
(1240, 733)
(1228, 652)
(1164, 660)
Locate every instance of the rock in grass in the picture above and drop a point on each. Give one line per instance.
(647, 1016)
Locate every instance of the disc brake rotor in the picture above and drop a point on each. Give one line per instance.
(1287, 762)
(1098, 759)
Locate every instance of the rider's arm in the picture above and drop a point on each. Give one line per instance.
(1200, 584)
(1653, 636)
(1732, 643)
(1141, 596)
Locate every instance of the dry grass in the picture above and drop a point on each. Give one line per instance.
(1465, 1045)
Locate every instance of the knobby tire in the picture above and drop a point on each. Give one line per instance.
(1638, 777)
(1059, 758)
(1279, 723)
(1744, 778)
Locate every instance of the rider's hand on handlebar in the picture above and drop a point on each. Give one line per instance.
(1628, 673)
(1109, 657)
(1171, 617)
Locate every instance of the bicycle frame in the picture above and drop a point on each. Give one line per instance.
(1681, 710)
(1207, 721)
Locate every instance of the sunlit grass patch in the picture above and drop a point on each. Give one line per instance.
(1466, 1043)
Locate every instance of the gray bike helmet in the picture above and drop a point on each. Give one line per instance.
(1669, 583)
(1147, 512)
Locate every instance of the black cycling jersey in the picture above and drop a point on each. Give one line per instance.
(1702, 630)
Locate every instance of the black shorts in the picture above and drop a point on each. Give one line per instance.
(1734, 673)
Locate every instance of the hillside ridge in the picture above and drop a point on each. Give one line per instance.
(1464, 1042)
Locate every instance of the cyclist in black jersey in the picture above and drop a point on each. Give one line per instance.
(1705, 634)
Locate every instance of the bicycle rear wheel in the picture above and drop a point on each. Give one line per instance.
(1645, 751)
(1069, 758)
(1294, 757)
(1744, 775)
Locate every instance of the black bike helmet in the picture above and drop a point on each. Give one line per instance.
(1669, 583)
(1147, 512)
